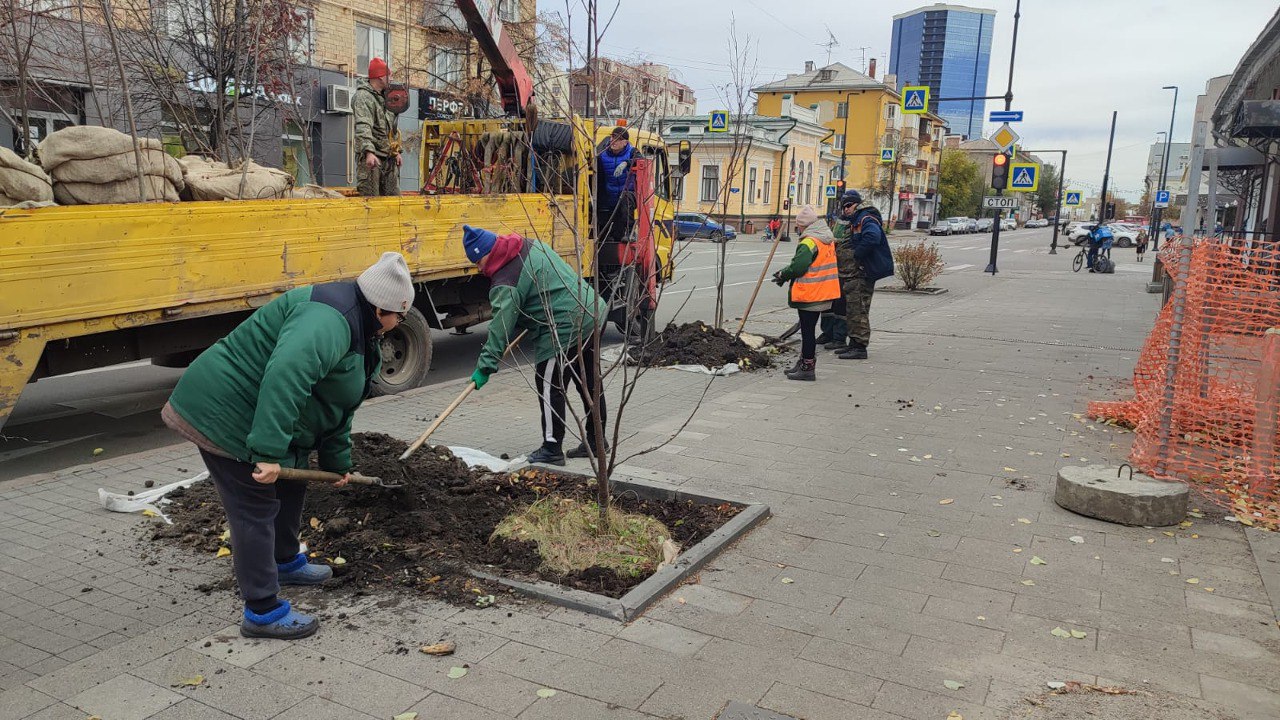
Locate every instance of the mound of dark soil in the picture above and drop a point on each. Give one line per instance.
(697, 343)
(422, 536)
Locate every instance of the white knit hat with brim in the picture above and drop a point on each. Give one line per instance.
(807, 216)
(387, 284)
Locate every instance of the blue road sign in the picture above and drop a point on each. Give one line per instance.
(886, 155)
(1162, 198)
(1004, 116)
(831, 191)
(719, 121)
(915, 100)
(1073, 199)
(1024, 177)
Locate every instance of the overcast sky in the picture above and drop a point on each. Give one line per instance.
(1077, 60)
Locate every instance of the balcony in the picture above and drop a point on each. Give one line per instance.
(926, 138)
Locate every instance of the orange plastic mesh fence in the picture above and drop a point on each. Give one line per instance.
(1207, 383)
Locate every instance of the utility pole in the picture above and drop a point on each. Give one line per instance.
(1008, 105)
(1106, 174)
(1062, 189)
(1164, 168)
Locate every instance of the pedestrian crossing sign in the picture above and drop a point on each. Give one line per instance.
(915, 99)
(719, 121)
(831, 191)
(1024, 177)
(886, 155)
(1073, 199)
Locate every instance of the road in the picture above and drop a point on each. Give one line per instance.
(60, 421)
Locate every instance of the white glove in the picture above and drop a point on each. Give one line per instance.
(620, 170)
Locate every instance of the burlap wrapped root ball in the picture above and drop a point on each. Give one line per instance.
(212, 180)
(93, 165)
(21, 181)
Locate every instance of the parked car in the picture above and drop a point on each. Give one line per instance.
(959, 224)
(984, 224)
(1036, 223)
(1078, 233)
(1126, 235)
(1008, 224)
(941, 227)
(697, 225)
(971, 224)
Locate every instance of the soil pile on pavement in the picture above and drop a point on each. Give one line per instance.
(424, 535)
(697, 343)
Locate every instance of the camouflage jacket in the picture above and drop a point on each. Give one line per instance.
(375, 124)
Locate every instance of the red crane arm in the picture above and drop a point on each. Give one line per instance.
(514, 83)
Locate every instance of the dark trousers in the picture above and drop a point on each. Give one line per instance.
(264, 522)
(381, 181)
(581, 366)
(832, 322)
(808, 334)
(857, 299)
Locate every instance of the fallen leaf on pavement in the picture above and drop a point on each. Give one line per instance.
(934, 533)
(1076, 539)
(1151, 540)
(952, 684)
(1166, 533)
(223, 552)
(546, 693)
(1035, 560)
(1024, 521)
(1185, 524)
(946, 501)
(1079, 634)
(982, 617)
(1017, 550)
(226, 535)
(1167, 560)
(193, 681)
(681, 601)
(406, 716)
(148, 512)
(1009, 469)
(444, 647)
(456, 672)
(98, 451)
(1028, 583)
(787, 581)
(1193, 581)
(1053, 685)
(953, 715)
(1059, 632)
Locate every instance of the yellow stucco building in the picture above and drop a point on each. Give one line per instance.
(762, 167)
(864, 116)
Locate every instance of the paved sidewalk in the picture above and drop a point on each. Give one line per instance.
(910, 493)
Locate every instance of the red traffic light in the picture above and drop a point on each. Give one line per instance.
(1000, 159)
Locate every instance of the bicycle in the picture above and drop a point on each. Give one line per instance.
(1082, 257)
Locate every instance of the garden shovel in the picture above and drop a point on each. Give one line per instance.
(330, 477)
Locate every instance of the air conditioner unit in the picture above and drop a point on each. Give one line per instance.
(338, 98)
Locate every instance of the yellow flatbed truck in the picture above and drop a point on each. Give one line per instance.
(95, 285)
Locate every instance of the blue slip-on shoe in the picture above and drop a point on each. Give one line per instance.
(300, 572)
(282, 623)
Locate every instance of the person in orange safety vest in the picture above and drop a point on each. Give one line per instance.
(815, 283)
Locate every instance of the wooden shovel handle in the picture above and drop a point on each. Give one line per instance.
(323, 476)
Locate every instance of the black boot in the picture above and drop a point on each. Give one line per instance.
(822, 338)
(805, 371)
(548, 454)
(581, 452)
(835, 344)
(854, 352)
(794, 367)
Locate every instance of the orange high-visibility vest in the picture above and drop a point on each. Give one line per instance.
(821, 281)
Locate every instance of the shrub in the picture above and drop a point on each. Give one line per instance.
(918, 264)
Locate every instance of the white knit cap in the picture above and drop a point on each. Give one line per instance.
(807, 216)
(387, 284)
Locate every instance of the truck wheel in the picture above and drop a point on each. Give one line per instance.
(406, 355)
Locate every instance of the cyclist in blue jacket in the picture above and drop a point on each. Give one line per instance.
(1100, 239)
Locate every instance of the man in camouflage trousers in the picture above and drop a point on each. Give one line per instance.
(377, 139)
(863, 256)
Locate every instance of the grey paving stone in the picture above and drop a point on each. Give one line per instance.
(566, 706)
(484, 685)
(664, 636)
(318, 708)
(226, 687)
(1231, 645)
(1255, 701)
(575, 675)
(22, 701)
(801, 703)
(346, 683)
(437, 705)
(125, 697)
(58, 711)
(229, 647)
(191, 710)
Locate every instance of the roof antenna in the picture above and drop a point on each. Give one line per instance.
(831, 43)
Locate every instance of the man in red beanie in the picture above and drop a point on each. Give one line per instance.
(377, 139)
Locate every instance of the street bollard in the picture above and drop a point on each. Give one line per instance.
(1267, 407)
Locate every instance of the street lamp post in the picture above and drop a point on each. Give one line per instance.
(1106, 174)
(1008, 103)
(1164, 167)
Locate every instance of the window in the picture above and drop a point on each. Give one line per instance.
(371, 42)
(710, 183)
(808, 186)
(446, 69)
(296, 161)
(842, 110)
(751, 185)
(509, 10)
(187, 20)
(302, 44)
(677, 188)
(839, 142)
(890, 112)
(768, 185)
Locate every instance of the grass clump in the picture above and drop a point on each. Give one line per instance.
(570, 537)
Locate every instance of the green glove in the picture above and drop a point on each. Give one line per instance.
(479, 378)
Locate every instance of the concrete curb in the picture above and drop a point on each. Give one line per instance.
(639, 598)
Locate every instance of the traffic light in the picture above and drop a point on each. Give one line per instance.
(1000, 171)
(839, 188)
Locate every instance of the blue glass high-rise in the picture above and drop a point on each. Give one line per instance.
(948, 48)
